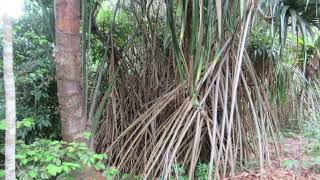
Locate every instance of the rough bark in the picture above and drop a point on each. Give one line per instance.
(68, 68)
(10, 98)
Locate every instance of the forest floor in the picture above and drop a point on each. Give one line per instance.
(295, 162)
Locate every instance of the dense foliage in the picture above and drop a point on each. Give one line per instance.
(34, 72)
(47, 159)
(170, 94)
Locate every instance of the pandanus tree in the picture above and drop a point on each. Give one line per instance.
(196, 98)
(298, 20)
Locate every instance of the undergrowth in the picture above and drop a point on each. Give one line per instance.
(310, 135)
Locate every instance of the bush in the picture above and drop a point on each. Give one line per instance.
(47, 159)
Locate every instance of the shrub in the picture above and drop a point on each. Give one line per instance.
(46, 159)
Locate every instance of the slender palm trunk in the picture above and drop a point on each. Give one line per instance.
(68, 68)
(10, 97)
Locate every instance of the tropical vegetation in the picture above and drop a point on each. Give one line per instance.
(154, 89)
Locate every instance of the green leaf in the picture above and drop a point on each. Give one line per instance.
(57, 161)
(44, 175)
(2, 173)
(65, 168)
(294, 21)
(241, 8)
(31, 153)
(32, 173)
(92, 160)
(49, 158)
(24, 161)
(54, 143)
(112, 171)
(98, 156)
(71, 165)
(53, 169)
(71, 149)
(100, 166)
(74, 144)
(2, 125)
(87, 135)
(283, 26)
(19, 156)
(27, 122)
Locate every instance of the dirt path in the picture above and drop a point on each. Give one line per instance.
(293, 163)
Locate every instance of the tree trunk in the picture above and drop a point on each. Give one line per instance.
(68, 68)
(10, 98)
